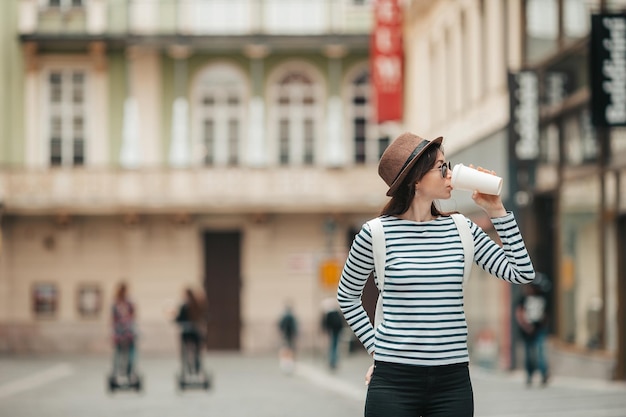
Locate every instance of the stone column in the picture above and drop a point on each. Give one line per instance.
(129, 151)
(35, 157)
(335, 155)
(257, 148)
(97, 146)
(180, 146)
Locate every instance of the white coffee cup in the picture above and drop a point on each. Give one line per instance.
(470, 179)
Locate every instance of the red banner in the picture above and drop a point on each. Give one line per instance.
(387, 60)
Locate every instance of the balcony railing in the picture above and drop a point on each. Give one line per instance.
(198, 17)
(92, 191)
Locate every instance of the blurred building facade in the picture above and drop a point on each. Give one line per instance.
(230, 145)
(469, 63)
(226, 145)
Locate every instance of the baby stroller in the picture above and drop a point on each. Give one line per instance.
(123, 375)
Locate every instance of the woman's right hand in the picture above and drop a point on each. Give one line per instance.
(368, 374)
(492, 204)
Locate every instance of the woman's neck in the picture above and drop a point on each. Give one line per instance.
(418, 213)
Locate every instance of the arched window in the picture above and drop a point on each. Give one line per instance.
(219, 116)
(296, 108)
(367, 143)
(66, 91)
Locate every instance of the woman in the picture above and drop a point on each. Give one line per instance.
(420, 348)
(191, 319)
(124, 331)
(531, 314)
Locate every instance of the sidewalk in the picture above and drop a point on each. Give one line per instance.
(250, 385)
(496, 393)
(348, 379)
(352, 370)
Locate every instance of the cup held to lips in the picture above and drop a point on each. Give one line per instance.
(470, 179)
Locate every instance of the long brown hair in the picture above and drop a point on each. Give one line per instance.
(195, 305)
(404, 195)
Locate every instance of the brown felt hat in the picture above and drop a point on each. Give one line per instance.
(400, 157)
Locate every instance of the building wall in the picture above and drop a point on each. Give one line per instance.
(158, 258)
(280, 251)
(11, 69)
(457, 57)
(587, 269)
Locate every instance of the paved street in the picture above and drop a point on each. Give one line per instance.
(254, 386)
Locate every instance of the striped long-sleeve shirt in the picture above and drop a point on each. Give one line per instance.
(423, 317)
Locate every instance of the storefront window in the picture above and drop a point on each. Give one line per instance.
(580, 298)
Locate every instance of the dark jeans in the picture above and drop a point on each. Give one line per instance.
(124, 358)
(190, 352)
(412, 391)
(535, 355)
(333, 349)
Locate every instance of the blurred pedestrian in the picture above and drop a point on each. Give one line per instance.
(420, 347)
(332, 324)
(288, 326)
(531, 314)
(124, 331)
(191, 319)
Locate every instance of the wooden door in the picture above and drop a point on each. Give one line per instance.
(222, 283)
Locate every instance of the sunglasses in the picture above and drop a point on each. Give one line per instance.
(444, 168)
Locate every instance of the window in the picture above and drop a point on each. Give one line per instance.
(297, 108)
(208, 142)
(576, 18)
(45, 299)
(542, 28)
(554, 24)
(219, 116)
(383, 143)
(65, 3)
(89, 302)
(295, 16)
(233, 142)
(580, 145)
(283, 142)
(209, 16)
(67, 114)
(549, 144)
(368, 146)
(309, 141)
(359, 140)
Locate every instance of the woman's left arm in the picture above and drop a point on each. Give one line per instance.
(510, 261)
